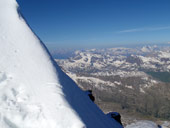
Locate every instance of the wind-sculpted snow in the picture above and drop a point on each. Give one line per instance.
(34, 92)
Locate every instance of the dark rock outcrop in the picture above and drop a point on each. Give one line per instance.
(116, 116)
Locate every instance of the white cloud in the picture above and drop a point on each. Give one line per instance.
(144, 29)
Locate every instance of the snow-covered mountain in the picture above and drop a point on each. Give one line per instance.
(123, 78)
(110, 67)
(34, 92)
(143, 124)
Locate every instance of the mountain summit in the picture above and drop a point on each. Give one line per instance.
(34, 92)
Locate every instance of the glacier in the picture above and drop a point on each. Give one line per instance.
(34, 91)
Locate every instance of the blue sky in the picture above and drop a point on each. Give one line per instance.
(98, 23)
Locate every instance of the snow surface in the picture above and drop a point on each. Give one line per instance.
(97, 81)
(142, 124)
(34, 92)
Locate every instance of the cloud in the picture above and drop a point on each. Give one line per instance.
(144, 29)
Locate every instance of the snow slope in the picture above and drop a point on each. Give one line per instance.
(34, 92)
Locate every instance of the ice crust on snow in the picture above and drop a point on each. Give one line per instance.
(34, 92)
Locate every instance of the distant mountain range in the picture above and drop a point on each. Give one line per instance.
(124, 79)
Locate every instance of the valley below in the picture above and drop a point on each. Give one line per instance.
(131, 81)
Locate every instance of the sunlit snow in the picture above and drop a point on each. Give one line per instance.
(34, 92)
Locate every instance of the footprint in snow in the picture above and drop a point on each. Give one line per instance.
(3, 77)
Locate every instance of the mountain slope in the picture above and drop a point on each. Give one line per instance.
(34, 92)
(123, 78)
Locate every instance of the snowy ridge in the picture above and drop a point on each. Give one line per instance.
(34, 92)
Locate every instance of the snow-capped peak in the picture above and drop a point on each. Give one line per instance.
(34, 92)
